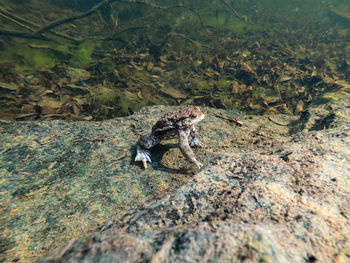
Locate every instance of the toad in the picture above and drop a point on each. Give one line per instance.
(177, 124)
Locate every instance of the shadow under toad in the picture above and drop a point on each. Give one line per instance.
(157, 155)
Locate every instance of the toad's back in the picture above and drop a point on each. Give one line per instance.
(173, 120)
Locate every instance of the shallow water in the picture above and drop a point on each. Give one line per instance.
(83, 60)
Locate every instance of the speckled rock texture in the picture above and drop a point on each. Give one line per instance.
(272, 190)
(60, 180)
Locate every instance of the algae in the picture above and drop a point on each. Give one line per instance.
(199, 84)
(82, 54)
(35, 55)
(105, 96)
(224, 22)
(28, 58)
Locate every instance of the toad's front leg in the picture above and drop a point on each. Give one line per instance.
(195, 140)
(145, 143)
(186, 149)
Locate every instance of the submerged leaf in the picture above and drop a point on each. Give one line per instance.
(174, 93)
(8, 86)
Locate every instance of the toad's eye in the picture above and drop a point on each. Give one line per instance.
(193, 116)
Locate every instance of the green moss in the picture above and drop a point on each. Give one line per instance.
(116, 102)
(30, 58)
(105, 96)
(63, 49)
(35, 55)
(222, 84)
(258, 93)
(128, 102)
(224, 22)
(82, 55)
(199, 84)
(40, 59)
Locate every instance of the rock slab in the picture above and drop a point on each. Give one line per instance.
(287, 201)
(275, 189)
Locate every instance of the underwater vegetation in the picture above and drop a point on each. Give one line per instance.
(258, 57)
(81, 56)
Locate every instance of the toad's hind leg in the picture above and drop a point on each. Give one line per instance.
(145, 143)
(186, 149)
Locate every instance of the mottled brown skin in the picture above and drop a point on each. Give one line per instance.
(177, 124)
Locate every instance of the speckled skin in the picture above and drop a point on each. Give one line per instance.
(177, 124)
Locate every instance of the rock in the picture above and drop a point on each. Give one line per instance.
(69, 177)
(268, 193)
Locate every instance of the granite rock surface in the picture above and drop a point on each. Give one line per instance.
(273, 190)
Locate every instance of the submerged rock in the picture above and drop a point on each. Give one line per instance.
(268, 193)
